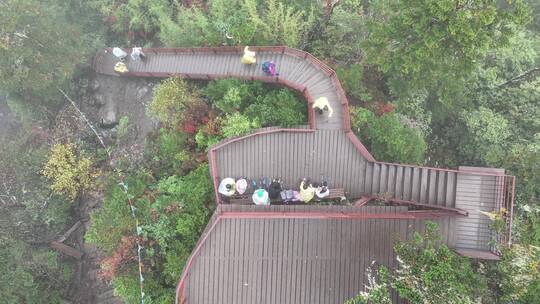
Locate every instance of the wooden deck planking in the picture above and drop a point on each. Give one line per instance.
(475, 194)
(298, 260)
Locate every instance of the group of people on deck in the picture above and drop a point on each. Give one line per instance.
(264, 192)
(136, 55)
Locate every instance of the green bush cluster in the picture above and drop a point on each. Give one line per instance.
(278, 108)
(69, 173)
(171, 97)
(172, 212)
(271, 107)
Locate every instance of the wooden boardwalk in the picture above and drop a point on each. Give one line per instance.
(236, 262)
(293, 260)
(292, 68)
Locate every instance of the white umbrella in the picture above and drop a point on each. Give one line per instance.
(226, 187)
(260, 197)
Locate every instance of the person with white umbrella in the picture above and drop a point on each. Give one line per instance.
(260, 197)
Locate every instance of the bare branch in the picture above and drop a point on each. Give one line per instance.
(519, 77)
(87, 122)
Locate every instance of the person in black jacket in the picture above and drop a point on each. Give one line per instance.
(274, 190)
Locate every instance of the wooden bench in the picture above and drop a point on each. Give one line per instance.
(245, 199)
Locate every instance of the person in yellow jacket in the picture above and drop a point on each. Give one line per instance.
(249, 56)
(307, 192)
(120, 67)
(321, 104)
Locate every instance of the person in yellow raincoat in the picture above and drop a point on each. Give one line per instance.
(249, 56)
(307, 192)
(120, 67)
(321, 104)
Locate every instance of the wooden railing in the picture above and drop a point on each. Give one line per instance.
(506, 185)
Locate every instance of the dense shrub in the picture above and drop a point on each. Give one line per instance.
(113, 220)
(339, 40)
(237, 124)
(133, 16)
(70, 174)
(278, 108)
(166, 153)
(268, 106)
(387, 138)
(30, 215)
(171, 98)
(216, 92)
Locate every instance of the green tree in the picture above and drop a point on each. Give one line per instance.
(39, 49)
(432, 273)
(489, 132)
(351, 78)
(134, 15)
(436, 44)
(387, 138)
(521, 274)
(341, 33)
(172, 213)
(237, 22)
(278, 23)
(191, 27)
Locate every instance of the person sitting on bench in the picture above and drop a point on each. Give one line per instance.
(274, 189)
(260, 197)
(322, 191)
(307, 192)
(227, 187)
(241, 185)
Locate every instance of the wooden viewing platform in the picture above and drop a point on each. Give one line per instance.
(249, 255)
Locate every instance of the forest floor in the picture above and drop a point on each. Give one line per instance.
(8, 120)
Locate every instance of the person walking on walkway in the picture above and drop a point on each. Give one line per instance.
(269, 68)
(249, 56)
(137, 54)
(321, 104)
